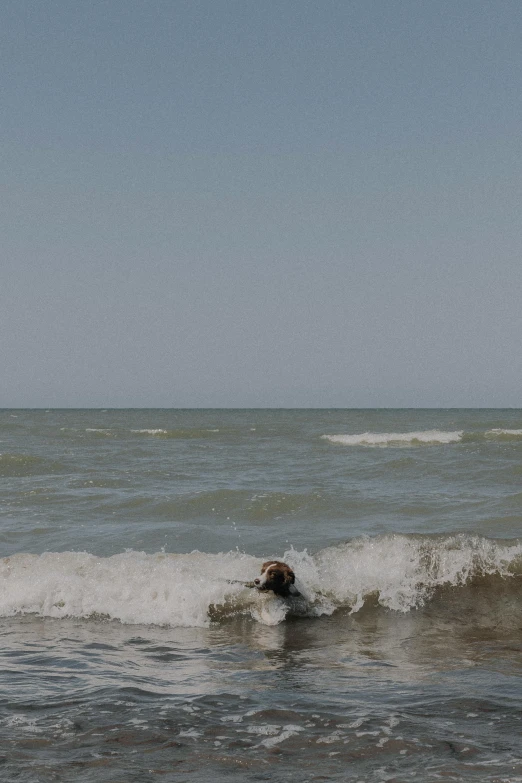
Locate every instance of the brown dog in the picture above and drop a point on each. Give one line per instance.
(278, 577)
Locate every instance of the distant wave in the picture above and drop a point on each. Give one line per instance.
(181, 433)
(398, 572)
(382, 439)
(150, 432)
(504, 434)
(373, 439)
(157, 432)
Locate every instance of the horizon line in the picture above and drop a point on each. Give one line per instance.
(263, 408)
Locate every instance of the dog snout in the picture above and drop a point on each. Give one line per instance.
(257, 581)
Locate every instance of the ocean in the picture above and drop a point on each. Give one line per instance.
(134, 649)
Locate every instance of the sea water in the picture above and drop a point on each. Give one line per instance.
(134, 649)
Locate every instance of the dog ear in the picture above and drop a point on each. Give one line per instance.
(289, 580)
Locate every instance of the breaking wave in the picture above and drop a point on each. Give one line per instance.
(435, 437)
(423, 437)
(397, 572)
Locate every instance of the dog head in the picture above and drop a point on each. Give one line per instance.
(278, 577)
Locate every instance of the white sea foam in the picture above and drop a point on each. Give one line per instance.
(286, 732)
(435, 437)
(400, 572)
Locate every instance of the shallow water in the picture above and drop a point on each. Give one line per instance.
(132, 649)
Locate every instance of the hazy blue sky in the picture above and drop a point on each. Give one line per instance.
(261, 203)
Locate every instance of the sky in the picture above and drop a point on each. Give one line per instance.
(234, 203)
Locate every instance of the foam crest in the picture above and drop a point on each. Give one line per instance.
(426, 437)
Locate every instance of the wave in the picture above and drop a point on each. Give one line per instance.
(20, 465)
(248, 505)
(373, 439)
(397, 572)
(183, 434)
(504, 434)
(154, 432)
(427, 437)
(150, 432)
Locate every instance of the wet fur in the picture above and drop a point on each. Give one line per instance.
(277, 577)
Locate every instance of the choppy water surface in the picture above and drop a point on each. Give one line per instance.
(133, 649)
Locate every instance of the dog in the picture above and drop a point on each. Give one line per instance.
(278, 577)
